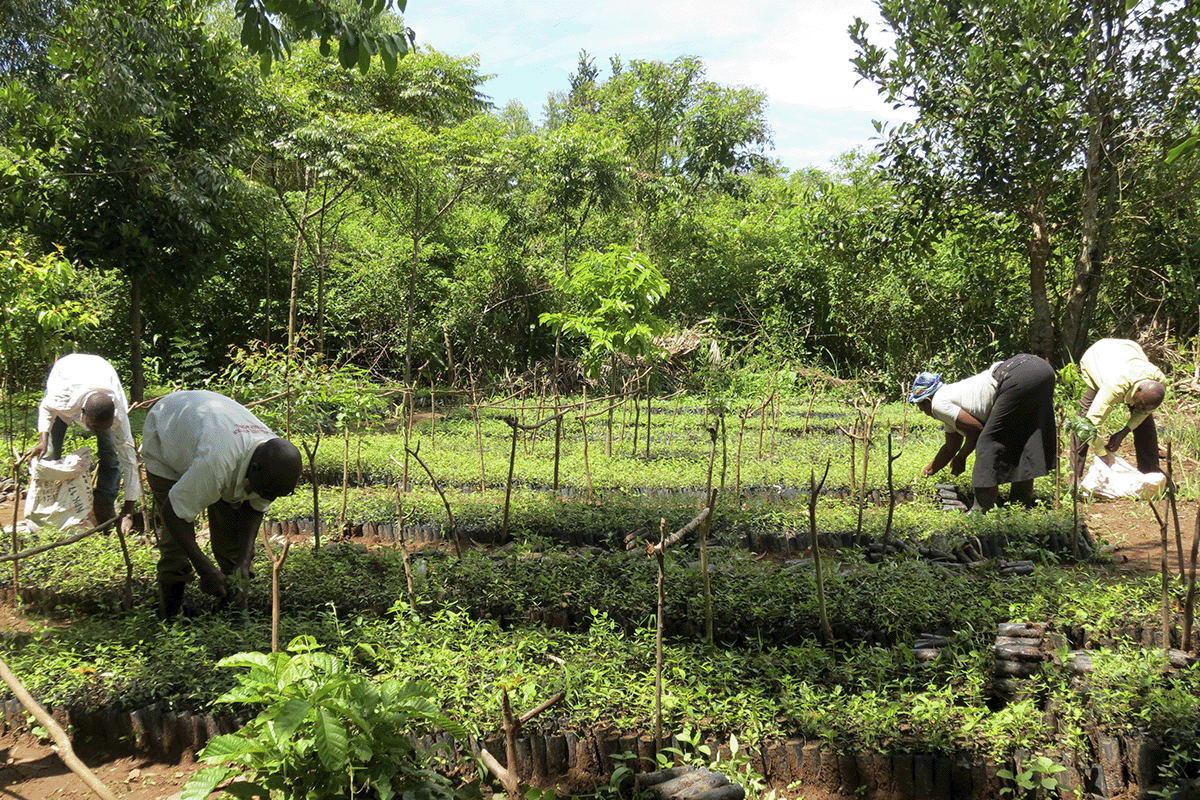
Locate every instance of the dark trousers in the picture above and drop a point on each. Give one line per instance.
(1017, 441)
(225, 526)
(1145, 442)
(108, 466)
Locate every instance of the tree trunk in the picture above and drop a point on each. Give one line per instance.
(412, 285)
(1041, 327)
(322, 263)
(297, 260)
(137, 375)
(1100, 191)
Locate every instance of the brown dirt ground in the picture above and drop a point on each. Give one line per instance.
(31, 770)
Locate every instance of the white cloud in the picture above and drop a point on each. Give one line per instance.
(797, 51)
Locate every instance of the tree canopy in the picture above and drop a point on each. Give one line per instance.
(398, 222)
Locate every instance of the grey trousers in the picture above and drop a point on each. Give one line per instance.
(224, 525)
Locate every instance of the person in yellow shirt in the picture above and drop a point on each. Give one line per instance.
(1117, 371)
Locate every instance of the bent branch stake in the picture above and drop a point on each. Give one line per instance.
(438, 488)
(510, 776)
(704, 577)
(276, 568)
(887, 530)
(1189, 605)
(69, 540)
(657, 551)
(312, 471)
(1164, 556)
(1171, 497)
(863, 430)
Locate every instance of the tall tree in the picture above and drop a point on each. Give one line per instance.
(313, 171)
(998, 118)
(683, 134)
(420, 175)
(154, 108)
(1011, 97)
(1142, 60)
(407, 144)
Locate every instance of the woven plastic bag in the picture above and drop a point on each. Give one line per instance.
(60, 492)
(1121, 479)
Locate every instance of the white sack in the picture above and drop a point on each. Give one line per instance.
(60, 492)
(1122, 479)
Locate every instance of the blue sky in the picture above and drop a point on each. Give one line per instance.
(797, 51)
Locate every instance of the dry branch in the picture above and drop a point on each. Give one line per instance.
(69, 540)
(438, 488)
(61, 742)
(655, 549)
(509, 776)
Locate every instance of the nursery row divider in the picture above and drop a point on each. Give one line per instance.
(499, 406)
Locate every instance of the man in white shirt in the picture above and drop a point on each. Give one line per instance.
(84, 389)
(203, 450)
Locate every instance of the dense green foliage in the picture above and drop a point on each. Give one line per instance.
(370, 240)
(413, 230)
(566, 587)
(470, 634)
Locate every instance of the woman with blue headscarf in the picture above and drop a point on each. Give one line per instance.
(1005, 415)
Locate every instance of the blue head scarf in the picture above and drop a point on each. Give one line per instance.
(924, 386)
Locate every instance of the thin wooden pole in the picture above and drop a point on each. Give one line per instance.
(814, 491)
(61, 741)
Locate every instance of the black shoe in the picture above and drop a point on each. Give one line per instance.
(170, 600)
(103, 511)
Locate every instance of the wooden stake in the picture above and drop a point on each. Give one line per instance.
(61, 741)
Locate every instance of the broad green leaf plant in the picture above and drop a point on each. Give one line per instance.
(323, 731)
(615, 293)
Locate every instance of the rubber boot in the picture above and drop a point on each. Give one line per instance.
(103, 510)
(1022, 492)
(985, 499)
(170, 599)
